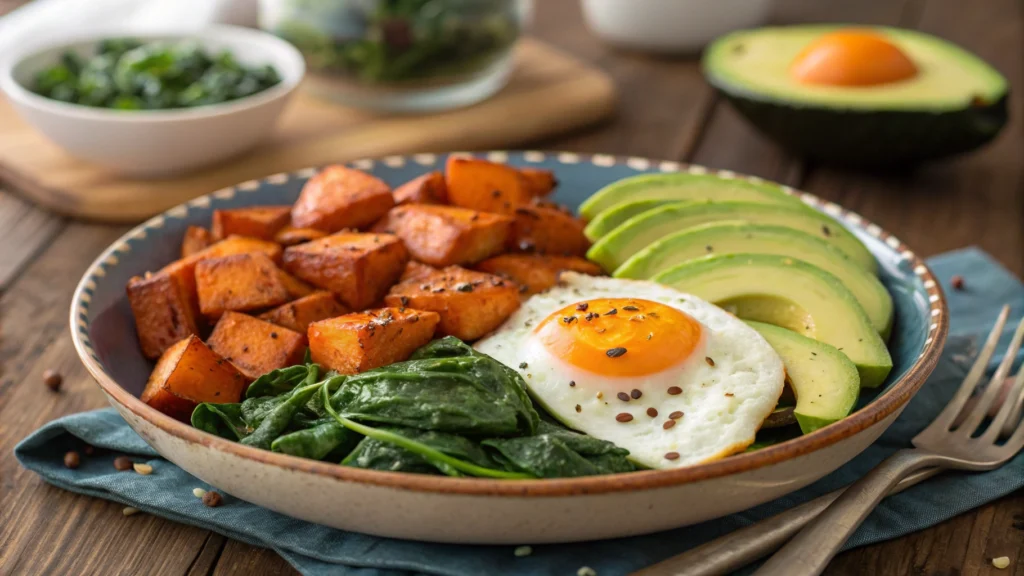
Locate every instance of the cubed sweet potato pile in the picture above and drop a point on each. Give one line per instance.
(356, 273)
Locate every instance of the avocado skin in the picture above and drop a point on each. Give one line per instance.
(867, 139)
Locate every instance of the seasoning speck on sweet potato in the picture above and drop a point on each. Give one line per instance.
(358, 268)
(361, 341)
(261, 222)
(290, 235)
(471, 304)
(547, 231)
(299, 314)
(239, 282)
(536, 272)
(165, 309)
(340, 197)
(445, 235)
(486, 186)
(255, 346)
(189, 373)
(429, 188)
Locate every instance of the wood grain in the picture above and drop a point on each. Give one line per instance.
(549, 93)
(665, 110)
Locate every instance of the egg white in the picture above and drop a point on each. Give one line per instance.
(723, 405)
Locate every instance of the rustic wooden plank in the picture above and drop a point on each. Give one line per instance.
(24, 231)
(206, 561)
(239, 558)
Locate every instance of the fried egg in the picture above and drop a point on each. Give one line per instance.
(673, 379)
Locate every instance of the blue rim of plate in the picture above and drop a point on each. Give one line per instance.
(895, 396)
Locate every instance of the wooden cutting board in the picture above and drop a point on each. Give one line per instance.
(549, 93)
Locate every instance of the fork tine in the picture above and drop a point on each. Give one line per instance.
(1009, 407)
(949, 413)
(995, 385)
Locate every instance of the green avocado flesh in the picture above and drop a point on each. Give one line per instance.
(678, 186)
(788, 293)
(638, 232)
(823, 379)
(955, 103)
(734, 238)
(610, 219)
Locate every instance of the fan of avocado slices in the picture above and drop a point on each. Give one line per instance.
(857, 95)
(798, 276)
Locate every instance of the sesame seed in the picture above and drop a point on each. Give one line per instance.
(523, 551)
(579, 408)
(600, 395)
(652, 412)
(144, 469)
(611, 312)
(273, 335)
(623, 396)
(630, 308)
(569, 319)
(129, 511)
(672, 456)
(464, 287)
(709, 361)
(586, 571)
(615, 352)
(582, 306)
(572, 383)
(523, 365)
(198, 492)
(729, 394)
(1002, 563)
(624, 417)
(635, 393)
(676, 415)
(675, 390)
(668, 424)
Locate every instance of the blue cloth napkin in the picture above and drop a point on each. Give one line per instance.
(317, 550)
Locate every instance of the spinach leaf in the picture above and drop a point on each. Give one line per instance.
(558, 452)
(254, 410)
(276, 420)
(376, 455)
(316, 442)
(224, 420)
(278, 382)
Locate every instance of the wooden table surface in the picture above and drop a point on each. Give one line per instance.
(666, 111)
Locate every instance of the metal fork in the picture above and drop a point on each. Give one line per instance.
(946, 443)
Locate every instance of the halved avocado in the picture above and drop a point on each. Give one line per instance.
(734, 238)
(679, 186)
(823, 379)
(788, 293)
(609, 219)
(638, 232)
(953, 102)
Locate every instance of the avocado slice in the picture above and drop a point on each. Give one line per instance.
(789, 293)
(956, 102)
(823, 379)
(638, 232)
(679, 186)
(733, 238)
(609, 219)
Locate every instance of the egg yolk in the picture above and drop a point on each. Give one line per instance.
(852, 58)
(620, 336)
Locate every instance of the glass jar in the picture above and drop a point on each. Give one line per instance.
(400, 55)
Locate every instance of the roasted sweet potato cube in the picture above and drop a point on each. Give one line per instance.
(485, 186)
(536, 272)
(471, 304)
(361, 341)
(426, 189)
(255, 346)
(290, 235)
(296, 288)
(540, 182)
(165, 309)
(445, 235)
(227, 247)
(261, 222)
(238, 283)
(340, 197)
(414, 269)
(358, 268)
(196, 239)
(189, 373)
(299, 314)
(547, 231)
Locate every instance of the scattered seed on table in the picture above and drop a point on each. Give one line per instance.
(1002, 562)
(198, 492)
(122, 463)
(958, 282)
(144, 469)
(52, 379)
(668, 424)
(72, 460)
(129, 511)
(212, 499)
(586, 571)
(672, 456)
(622, 396)
(523, 551)
(652, 412)
(675, 390)
(635, 393)
(624, 417)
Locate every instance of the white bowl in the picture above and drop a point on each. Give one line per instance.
(670, 25)
(158, 142)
